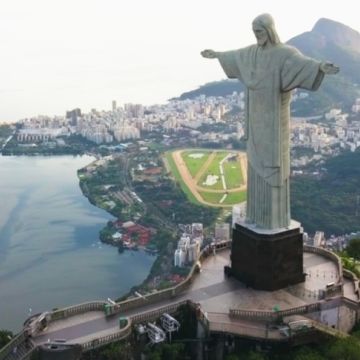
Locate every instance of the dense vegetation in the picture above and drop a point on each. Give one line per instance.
(5, 131)
(159, 196)
(341, 349)
(5, 337)
(216, 88)
(350, 257)
(107, 179)
(331, 202)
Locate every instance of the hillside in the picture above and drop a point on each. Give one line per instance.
(332, 203)
(216, 88)
(328, 41)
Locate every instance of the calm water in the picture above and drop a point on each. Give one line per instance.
(49, 250)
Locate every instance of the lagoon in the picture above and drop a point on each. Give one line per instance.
(50, 254)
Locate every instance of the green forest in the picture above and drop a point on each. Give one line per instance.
(330, 203)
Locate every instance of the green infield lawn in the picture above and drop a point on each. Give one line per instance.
(213, 198)
(194, 164)
(233, 174)
(214, 169)
(235, 198)
(231, 199)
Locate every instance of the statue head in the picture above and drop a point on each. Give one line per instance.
(264, 30)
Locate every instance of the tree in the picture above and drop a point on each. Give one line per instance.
(117, 351)
(167, 352)
(250, 355)
(353, 248)
(306, 353)
(255, 356)
(344, 349)
(173, 351)
(232, 357)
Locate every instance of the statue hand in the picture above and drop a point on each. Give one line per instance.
(329, 68)
(209, 54)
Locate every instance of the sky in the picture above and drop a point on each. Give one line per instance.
(57, 55)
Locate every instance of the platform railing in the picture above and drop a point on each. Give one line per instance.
(77, 309)
(8, 349)
(273, 315)
(329, 255)
(104, 340)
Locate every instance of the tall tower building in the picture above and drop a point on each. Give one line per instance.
(73, 116)
(113, 105)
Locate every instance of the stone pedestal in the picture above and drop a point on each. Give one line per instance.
(267, 260)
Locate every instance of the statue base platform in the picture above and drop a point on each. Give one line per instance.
(267, 259)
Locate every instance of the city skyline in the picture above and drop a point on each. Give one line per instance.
(65, 55)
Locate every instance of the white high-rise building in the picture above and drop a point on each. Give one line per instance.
(238, 214)
(189, 245)
(194, 251)
(319, 239)
(179, 257)
(184, 243)
(356, 107)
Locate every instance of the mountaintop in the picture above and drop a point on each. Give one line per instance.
(337, 33)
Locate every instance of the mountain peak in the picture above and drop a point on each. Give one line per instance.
(324, 23)
(337, 33)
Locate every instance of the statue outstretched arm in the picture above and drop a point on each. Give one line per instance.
(210, 54)
(329, 68)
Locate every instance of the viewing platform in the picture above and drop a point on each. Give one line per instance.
(328, 298)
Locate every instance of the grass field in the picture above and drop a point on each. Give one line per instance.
(213, 198)
(231, 199)
(233, 174)
(235, 198)
(195, 164)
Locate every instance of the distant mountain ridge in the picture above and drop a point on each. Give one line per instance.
(335, 32)
(329, 40)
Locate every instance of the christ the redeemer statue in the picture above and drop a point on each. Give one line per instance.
(269, 70)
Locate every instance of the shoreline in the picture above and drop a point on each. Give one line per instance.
(115, 244)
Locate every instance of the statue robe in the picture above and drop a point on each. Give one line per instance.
(269, 75)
